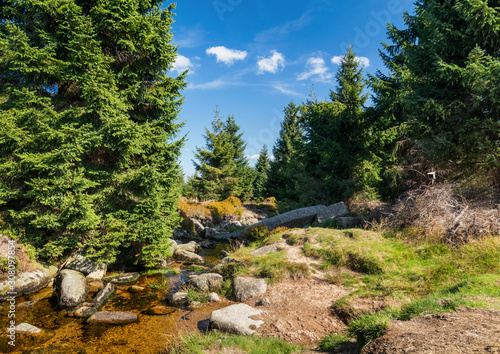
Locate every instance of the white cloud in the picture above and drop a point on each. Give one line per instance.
(315, 66)
(362, 60)
(226, 55)
(182, 63)
(213, 85)
(252, 157)
(272, 63)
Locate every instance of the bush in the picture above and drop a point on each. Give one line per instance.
(256, 233)
(231, 206)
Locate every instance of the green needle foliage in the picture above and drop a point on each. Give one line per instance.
(261, 175)
(88, 156)
(221, 168)
(446, 62)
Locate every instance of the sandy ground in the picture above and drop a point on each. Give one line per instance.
(465, 331)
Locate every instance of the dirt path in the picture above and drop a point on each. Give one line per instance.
(462, 332)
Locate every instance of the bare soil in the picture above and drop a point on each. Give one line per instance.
(300, 310)
(465, 331)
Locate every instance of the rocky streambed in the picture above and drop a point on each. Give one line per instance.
(113, 312)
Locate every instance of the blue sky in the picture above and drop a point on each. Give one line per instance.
(252, 57)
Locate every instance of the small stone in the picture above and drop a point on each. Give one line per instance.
(235, 319)
(190, 247)
(85, 311)
(134, 289)
(113, 317)
(123, 279)
(95, 286)
(193, 305)
(179, 298)
(104, 295)
(184, 256)
(264, 302)
(213, 297)
(206, 282)
(160, 310)
(246, 288)
(26, 328)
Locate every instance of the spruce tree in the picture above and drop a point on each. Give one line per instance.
(221, 167)
(448, 68)
(337, 153)
(88, 149)
(261, 175)
(286, 169)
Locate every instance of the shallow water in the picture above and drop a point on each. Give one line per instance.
(151, 334)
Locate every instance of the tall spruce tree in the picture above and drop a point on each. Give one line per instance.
(88, 156)
(221, 167)
(448, 69)
(286, 169)
(336, 151)
(261, 175)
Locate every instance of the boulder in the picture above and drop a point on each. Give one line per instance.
(268, 249)
(88, 267)
(331, 212)
(190, 247)
(208, 244)
(206, 282)
(179, 298)
(246, 288)
(26, 328)
(104, 295)
(294, 218)
(72, 288)
(113, 317)
(28, 282)
(187, 257)
(180, 234)
(123, 279)
(235, 319)
(95, 286)
(198, 226)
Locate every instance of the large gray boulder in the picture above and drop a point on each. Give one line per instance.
(113, 317)
(235, 319)
(294, 218)
(72, 288)
(190, 247)
(246, 288)
(206, 282)
(331, 212)
(187, 257)
(87, 266)
(28, 282)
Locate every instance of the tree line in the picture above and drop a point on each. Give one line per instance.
(435, 114)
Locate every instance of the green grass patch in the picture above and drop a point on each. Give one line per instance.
(336, 343)
(168, 271)
(199, 344)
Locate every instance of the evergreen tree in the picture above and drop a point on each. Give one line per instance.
(286, 169)
(448, 67)
(261, 175)
(222, 169)
(88, 156)
(337, 150)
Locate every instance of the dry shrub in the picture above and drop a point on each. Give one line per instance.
(194, 210)
(228, 207)
(440, 210)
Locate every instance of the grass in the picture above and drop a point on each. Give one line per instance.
(213, 342)
(163, 284)
(336, 343)
(169, 271)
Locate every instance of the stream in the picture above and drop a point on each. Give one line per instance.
(151, 334)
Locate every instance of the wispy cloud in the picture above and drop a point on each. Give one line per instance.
(316, 67)
(183, 63)
(285, 90)
(362, 60)
(214, 85)
(278, 32)
(271, 64)
(226, 55)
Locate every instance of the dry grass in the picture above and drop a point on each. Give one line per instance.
(440, 211)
